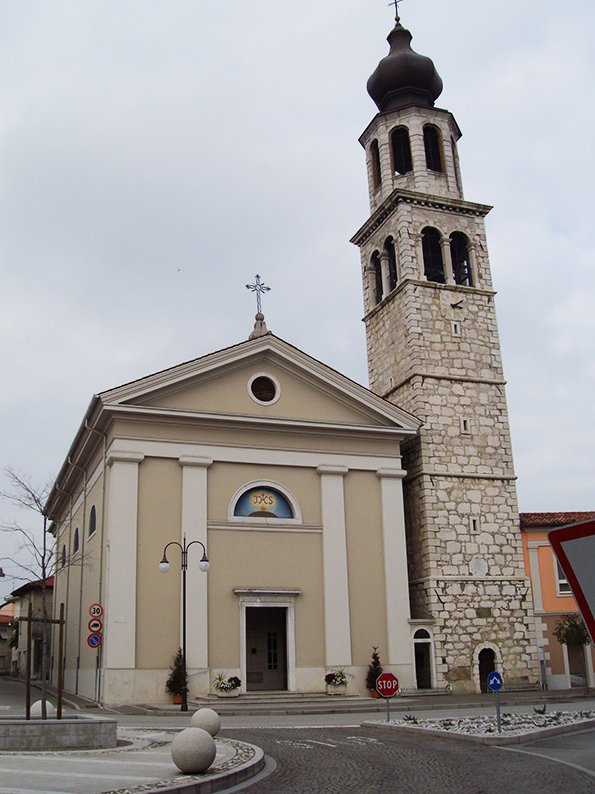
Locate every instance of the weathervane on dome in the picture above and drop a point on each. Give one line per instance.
(259, 287)
(395, 3)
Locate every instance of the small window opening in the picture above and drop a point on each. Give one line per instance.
(461, 264)
(457, 329)
(76, 542)
(474, 524)
(377, 266)
(92, 521)
(465, 425)
(563, 586)
(432, 148)
(63, 557)
(389, 247)
(376, 169)
(432, 254)
(263, 389)
(401, 150)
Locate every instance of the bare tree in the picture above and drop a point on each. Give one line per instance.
(34, 558)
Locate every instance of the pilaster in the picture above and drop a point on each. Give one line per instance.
(194, 527)
(120, 593)
(396, 583)
(337, 627)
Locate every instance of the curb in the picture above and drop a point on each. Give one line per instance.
(498, 741)
(219, 781)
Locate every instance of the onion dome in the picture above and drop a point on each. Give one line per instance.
(404, 77)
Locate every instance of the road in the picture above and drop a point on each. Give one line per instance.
(383, 761)
(332, 753)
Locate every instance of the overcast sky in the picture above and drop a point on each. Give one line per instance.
(156, 154)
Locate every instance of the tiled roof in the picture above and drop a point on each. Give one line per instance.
(5, 620)
(553, 519)
(27, 588)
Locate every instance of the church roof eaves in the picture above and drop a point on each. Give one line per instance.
(87, 431)
(247, 348)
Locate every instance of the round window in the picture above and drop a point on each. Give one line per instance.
(263, 389)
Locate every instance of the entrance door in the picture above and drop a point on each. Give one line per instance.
(487, 665)
(422, 644)
(266, 648)
(576, 658)
(423, 670)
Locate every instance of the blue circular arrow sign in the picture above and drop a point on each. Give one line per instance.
(495, 681)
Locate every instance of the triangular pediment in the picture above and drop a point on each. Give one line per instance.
(221, 384)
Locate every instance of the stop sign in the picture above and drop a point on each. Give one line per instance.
(387, 685)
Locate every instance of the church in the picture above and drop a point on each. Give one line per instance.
(335, 518)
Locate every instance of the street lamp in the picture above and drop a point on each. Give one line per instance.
(204, 565)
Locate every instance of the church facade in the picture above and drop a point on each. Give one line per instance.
(336, 518)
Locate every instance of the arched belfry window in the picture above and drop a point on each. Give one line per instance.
(377, 268)
(389, 247)
(461, 264)
(264, 500)
(433, 148)
(76, 541)
(376, 170)
(92, 521)
(432, 253)
(401, 150)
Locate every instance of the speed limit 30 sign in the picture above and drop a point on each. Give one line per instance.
(96, 610)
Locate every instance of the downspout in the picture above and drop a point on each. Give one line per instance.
(98, 667)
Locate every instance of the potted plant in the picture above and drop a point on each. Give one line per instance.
(177, 683)
(374, 670)
(336, 682)
(226, 686)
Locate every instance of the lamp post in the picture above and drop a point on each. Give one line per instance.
(204, 565)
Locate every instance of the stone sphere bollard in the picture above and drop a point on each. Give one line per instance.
(208, 720)
(50, 709)
(193, 751)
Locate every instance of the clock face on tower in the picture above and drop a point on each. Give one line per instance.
(453, 304)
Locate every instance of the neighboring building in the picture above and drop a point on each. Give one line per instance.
(31, 593)
(561, 665)
(6, 618)
(322, 543)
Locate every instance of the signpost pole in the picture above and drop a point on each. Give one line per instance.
(495, 682)
(387, 686)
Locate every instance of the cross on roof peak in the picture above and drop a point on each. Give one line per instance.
(259, 287)
(395, 3)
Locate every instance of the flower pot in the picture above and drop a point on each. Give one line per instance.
(231, 693)
(374, 694)
(341, 689)
(177, 699)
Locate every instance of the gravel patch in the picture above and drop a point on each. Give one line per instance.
(511, 724)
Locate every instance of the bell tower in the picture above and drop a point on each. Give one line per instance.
(433, 349)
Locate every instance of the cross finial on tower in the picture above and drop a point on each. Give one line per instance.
(259, 288)
(395, 3)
